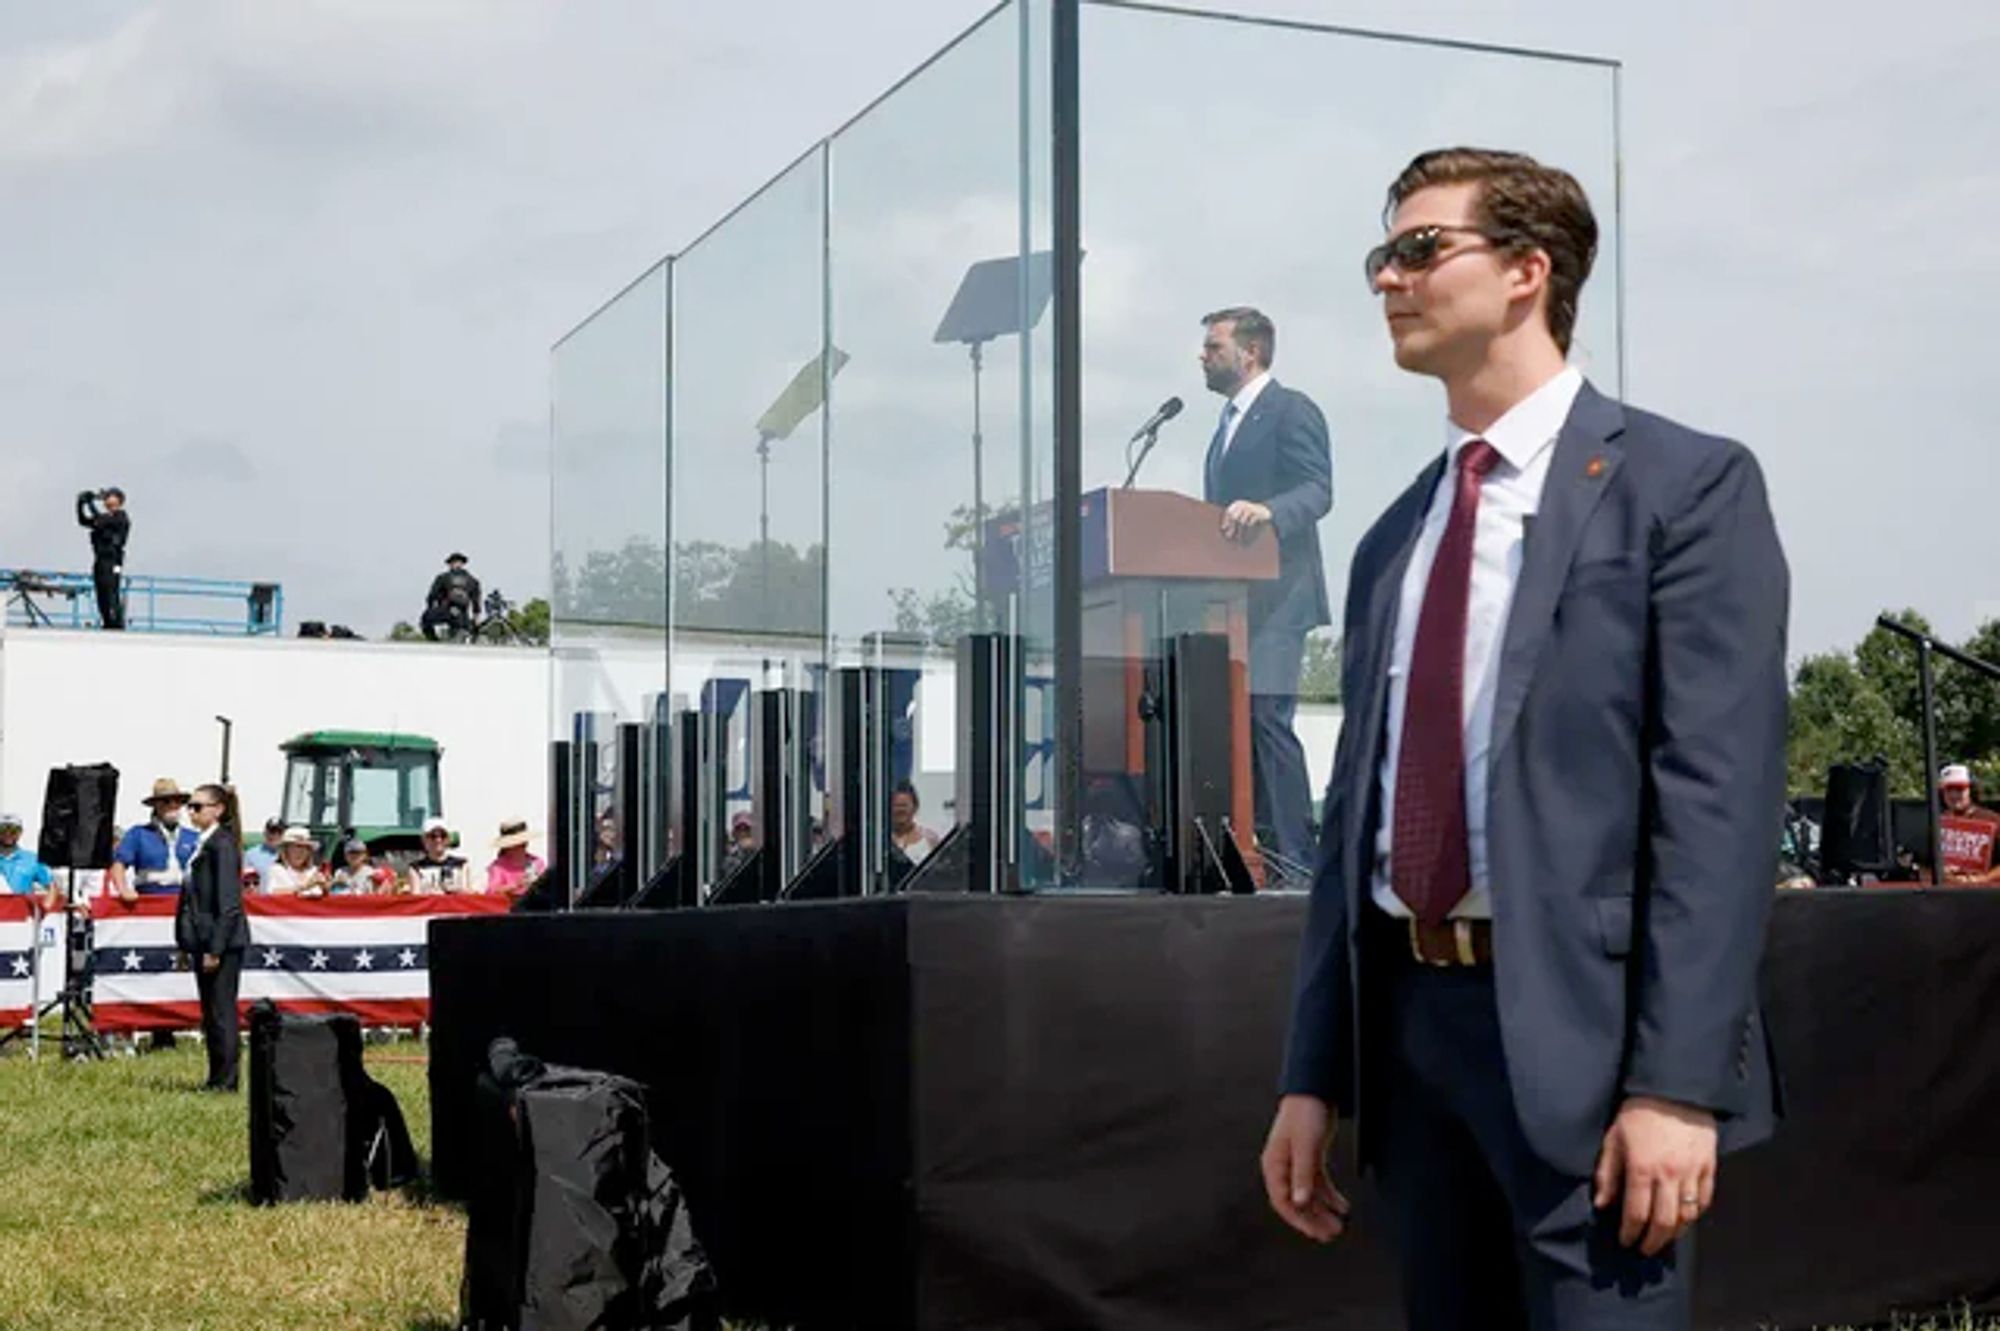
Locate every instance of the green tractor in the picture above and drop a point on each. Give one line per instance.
(376, 786)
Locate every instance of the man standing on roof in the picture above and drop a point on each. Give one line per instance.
(453, 600)
(103, 512)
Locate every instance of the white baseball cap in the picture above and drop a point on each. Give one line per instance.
(1956, 774)
(11, 820)
(436, 825)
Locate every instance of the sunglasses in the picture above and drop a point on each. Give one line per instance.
(203, 804)
(1419, 248)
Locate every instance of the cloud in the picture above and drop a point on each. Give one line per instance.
(78, 100)
(266, 255)
(524, 447)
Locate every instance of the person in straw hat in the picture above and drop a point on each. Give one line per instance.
(152, 857)
(297, 871)
(513, 868)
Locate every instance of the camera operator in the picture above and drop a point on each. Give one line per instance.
(104, 513)
(453, 600)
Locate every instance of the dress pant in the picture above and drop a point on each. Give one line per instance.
(1280, 789)
(1489, 1236)
(218, 1016)
(110, 594)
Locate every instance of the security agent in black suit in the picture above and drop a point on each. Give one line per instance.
(210, 928)
(1269, 464)
(110, 527)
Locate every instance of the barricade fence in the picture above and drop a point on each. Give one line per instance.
(364, 955)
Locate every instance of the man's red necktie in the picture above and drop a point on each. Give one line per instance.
(1430, 866)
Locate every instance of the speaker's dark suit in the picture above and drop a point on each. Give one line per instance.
(1635, 783)
(209, 921)
(1280, 457)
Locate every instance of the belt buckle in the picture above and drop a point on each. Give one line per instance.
(1461, 939)
(1415, 927)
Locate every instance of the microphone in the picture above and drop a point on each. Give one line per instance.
(1168, 410)
(1150, 432)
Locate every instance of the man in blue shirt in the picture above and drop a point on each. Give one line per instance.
(22, 870)
(259, 859)
(153, 858)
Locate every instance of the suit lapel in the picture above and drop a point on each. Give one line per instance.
(1249, 433)
(1402, 524)
(1585, 461)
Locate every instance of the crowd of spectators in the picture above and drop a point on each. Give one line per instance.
(292, 865)
(152, 858)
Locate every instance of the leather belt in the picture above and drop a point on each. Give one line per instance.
(1455, 942)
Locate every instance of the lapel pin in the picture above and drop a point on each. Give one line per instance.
(1594, 468)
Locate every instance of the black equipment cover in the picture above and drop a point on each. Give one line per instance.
(78, 809)
(573, 1223)
(321, 1128)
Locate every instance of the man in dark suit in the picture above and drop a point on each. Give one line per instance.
(210, 928)
(1547, 854)
(1269, 465)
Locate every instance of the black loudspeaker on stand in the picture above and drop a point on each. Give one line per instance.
(77, 814)
(1855, 831)
(77, 811)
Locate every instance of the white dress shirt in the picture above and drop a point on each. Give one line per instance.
(1244, 397)
(1508, 495)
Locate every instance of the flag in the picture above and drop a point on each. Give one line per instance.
(17, 959)
(365, 955)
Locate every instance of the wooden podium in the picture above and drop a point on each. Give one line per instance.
(1156, 564)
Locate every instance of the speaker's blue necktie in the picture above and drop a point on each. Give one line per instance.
(1216, 446)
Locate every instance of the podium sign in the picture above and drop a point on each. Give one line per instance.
(1154, 534)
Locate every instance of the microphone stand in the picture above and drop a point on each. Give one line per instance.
(1152, 437)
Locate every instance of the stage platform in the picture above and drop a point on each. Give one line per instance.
(1045, 1112)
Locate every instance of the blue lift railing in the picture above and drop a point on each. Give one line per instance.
(153, 604)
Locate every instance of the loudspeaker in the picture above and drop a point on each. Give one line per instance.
(77, 813)
(1854, 838)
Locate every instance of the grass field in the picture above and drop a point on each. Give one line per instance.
(122, 1205)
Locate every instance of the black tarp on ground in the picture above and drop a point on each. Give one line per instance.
(321, 1129)
(576, 1225)
(776, 1049)
(1045, 1112)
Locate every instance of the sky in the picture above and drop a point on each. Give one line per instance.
(290, 273)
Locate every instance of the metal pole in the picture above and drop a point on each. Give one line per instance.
(1067, 201)
(227, 726)
(35, 985)
(978, 492)
(1930, 758)
(764, 531)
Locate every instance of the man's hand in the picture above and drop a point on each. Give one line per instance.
(1241, 519)
(1661, 1156)
(1294, 1163)
(210, 963)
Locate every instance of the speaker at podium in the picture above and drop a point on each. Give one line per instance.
(1155, 564)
